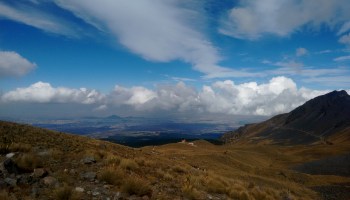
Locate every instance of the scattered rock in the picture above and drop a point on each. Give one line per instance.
(11, 182)
(145, 197)
(79, 189)
(10, 155)
(95, 193)
(11, 166)
(50, 181)
(35, 192)
(2, 184)
(44, 153)
(88, 160)
(39, 173)
(90, 176)
(72, 171)
(25, 180)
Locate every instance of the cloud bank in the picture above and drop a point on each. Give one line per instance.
(14, 65)
(41, 92)
(254, 19)
(278, 95)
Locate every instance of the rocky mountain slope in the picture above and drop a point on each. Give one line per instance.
(324, 119)
(41, 164)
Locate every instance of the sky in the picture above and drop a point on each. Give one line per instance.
(70, 58)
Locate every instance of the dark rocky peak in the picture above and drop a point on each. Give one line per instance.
(336, 102)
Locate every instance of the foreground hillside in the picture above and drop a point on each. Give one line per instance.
(42, 164)
(324, 119)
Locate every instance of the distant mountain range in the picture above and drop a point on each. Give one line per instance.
(324, 119)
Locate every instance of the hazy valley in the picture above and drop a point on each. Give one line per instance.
(43, 164)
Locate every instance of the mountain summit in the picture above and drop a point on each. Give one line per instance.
(325, 118)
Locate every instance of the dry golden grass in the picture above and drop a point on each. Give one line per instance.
(5, 196)
(28, 161)
(128, 164)
(112, 160)
(111, 175)
(176, 171)
(65, 193)
(137, 186)
(20, 147)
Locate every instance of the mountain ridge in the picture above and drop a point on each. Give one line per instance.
(323, 119)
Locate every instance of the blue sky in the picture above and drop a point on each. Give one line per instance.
(117, 57)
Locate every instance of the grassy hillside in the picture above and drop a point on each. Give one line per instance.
(77, 167)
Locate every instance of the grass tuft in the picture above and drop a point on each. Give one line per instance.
(65, 193)
(111, 176)
(28, 162)
(128, 164)
(136, 186)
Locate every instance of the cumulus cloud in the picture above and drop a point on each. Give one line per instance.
(134, 96)
(253, 19)
(301, 51)
(12, 64)
(278, 95)
(42, 92)
(31, 14)
(157, 30)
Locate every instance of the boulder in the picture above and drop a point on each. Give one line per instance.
(79, 189)
(11, 167)
(39, 173)
(11, 182)
(50, 181)
(88, 160)
(10, 155)
(90, 176)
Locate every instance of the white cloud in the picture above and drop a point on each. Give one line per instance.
(253, 19)
(134, 96)
(345, 27)
(301, 51)
(341, 58)
(157, 30)
(101, 108)
(278, 95)
(291, 64)
(345, 39)
(12, 64)
(32, 15)
(41, 92)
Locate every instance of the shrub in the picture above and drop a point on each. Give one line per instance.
(137, 186)
(112, 160)
(28, 162)
(65, 193)
(4, 195)
(111, 176)
(191, 192)
(20, 147)
(216, 186)
(128, 164)
(179, 169)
